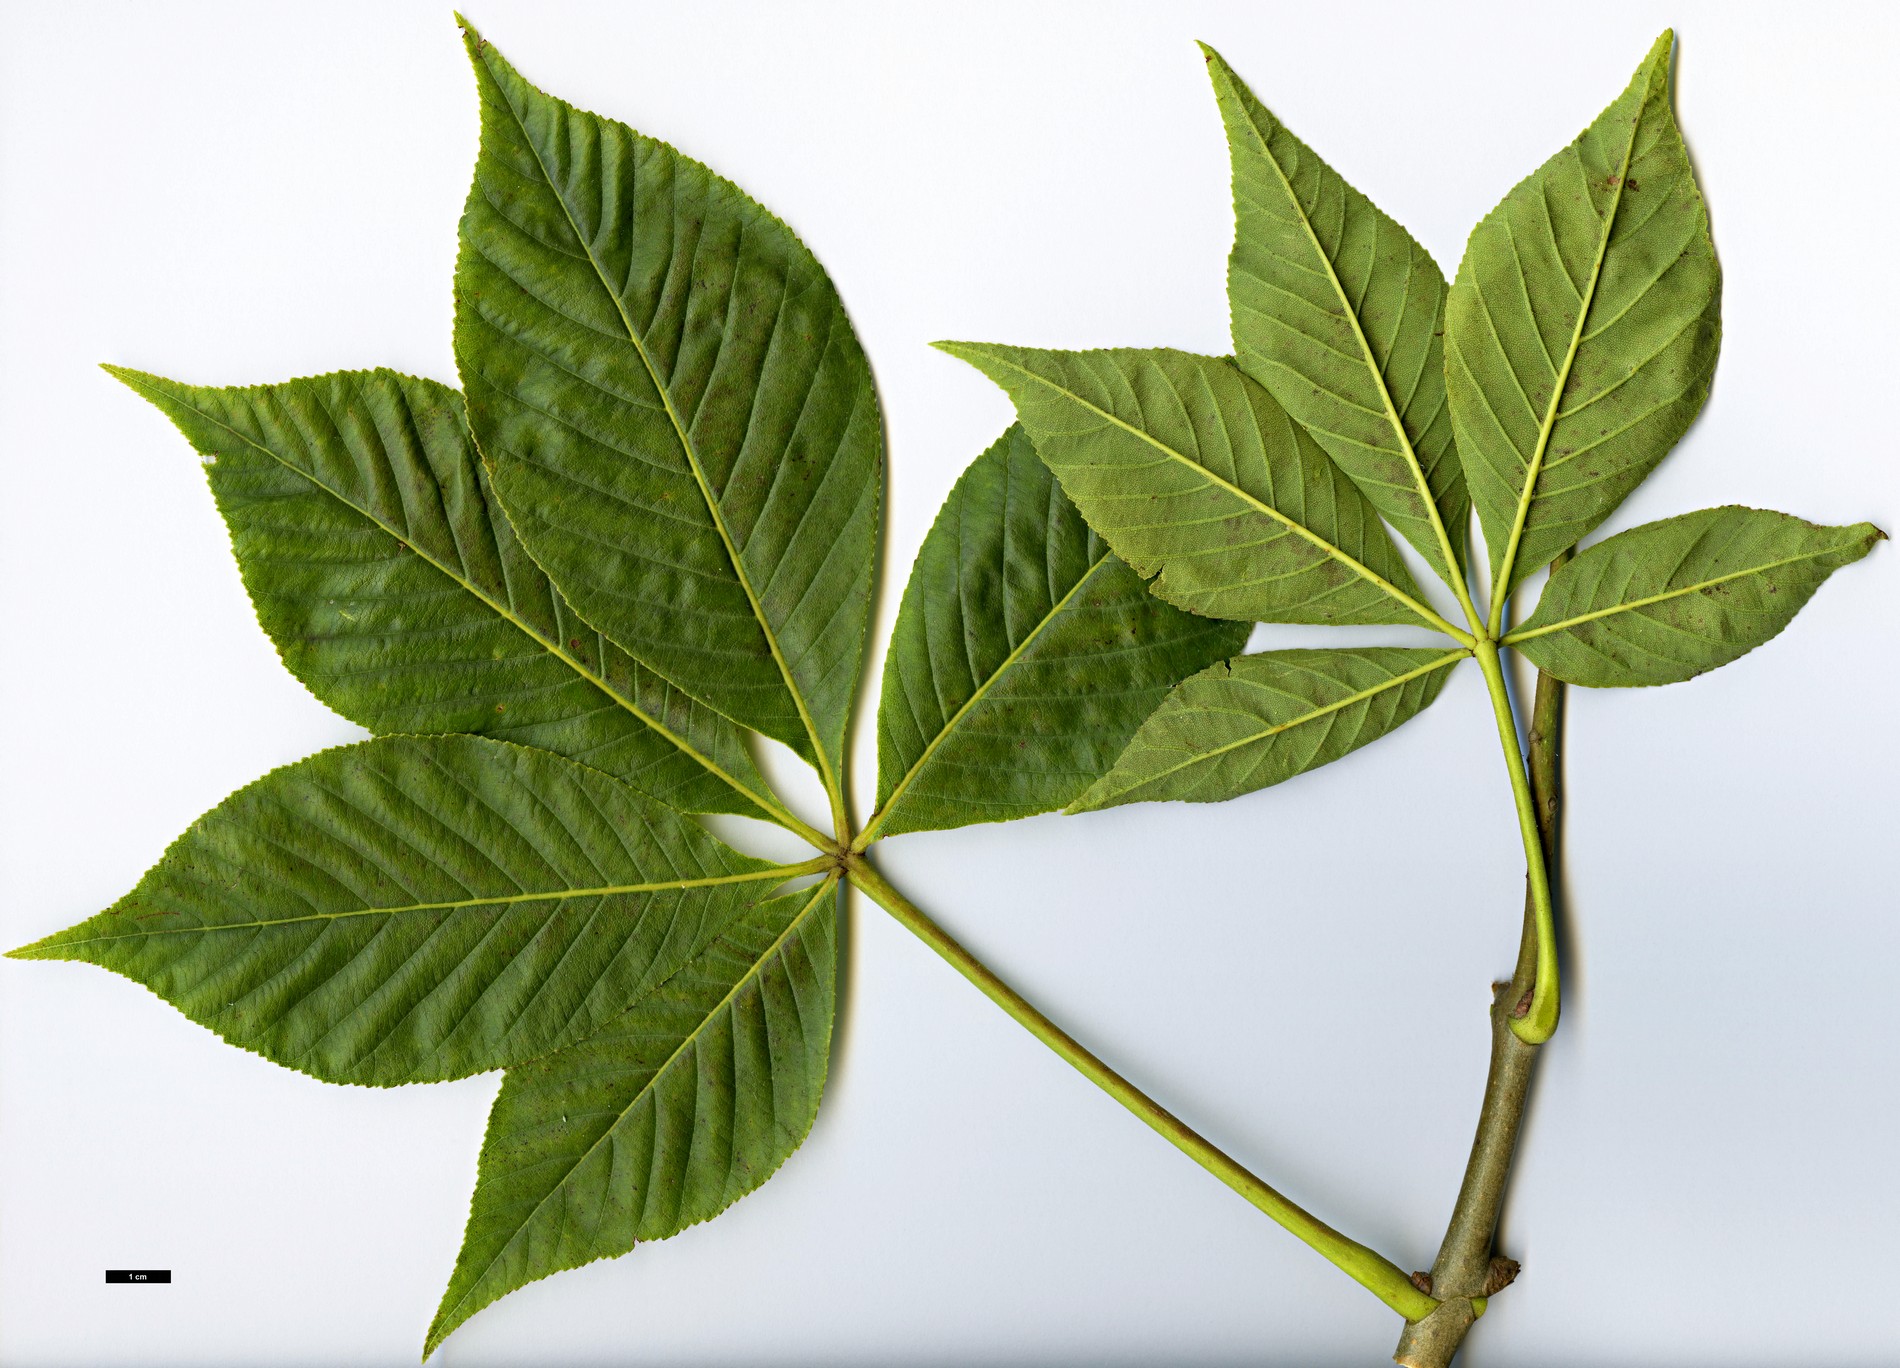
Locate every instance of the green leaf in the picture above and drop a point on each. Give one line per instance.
(679, 418)
(1670, 600)
(1192, 472)
(1258, 720)
(369, 543)
(419, 908)
(1582, 330)
(673, 1112)
(1025, 655)
(1339, 312)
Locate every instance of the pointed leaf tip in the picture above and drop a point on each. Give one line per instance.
(275, 862)
(1560, 410)
(693, 558)
(1336, 310)
(1670, 600)
(471, 37)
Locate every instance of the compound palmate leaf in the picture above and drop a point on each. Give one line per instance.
(367, 539)
(1025, 654)
(1339, 312)
(1582, 329)
(676, 1109)
(1670, 600)
(418, 908)
(1259, 720)
(681, 423)
(1193, 474)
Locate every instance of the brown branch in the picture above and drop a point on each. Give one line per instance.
(1466, 1269)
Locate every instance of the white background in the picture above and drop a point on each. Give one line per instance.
(246, 192)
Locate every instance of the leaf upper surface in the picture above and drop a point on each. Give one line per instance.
(1259, 720)
(1192, 473)
(1339, 312)
(1667, 601)
(676, 1109)
(681, 423)
(394, 589)
(1582, 329)
(1025, 654)
(418, 908)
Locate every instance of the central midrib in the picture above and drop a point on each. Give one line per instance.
(1507, 566)
(501, 900)
(692, 457)
(1529, 633)
(1016, 654)
(1200, 757)
(691, 1036)
(506, 613)
(1364, 572)
(1421, 486)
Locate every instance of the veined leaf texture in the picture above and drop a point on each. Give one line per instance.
(1259, 720)
(569, 604)
(1582, 329)
(1025, 654)
(417, 908)
(563, 605)
(685, 1102)
(1339, 312)
(1197, 478)
(680, 419)
(394, 589)
(1669, 600)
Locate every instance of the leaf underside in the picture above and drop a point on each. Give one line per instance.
(1582, 329)
(677, 1108)
(1196, 477)
(672, 407)
(397, 593)
(412, 909)
(1339, 312)
(679, 418)
(1669, 600)
(1024, 656)
(1259, 720)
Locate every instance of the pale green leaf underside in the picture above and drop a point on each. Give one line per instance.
(672, 1112)
(681, 423)
(1025, 654)
(1259, 720)
(1669, 600)
(418, 908)
(1339, 312)
(1196, 477)
(397, 593)
(1582, 329)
